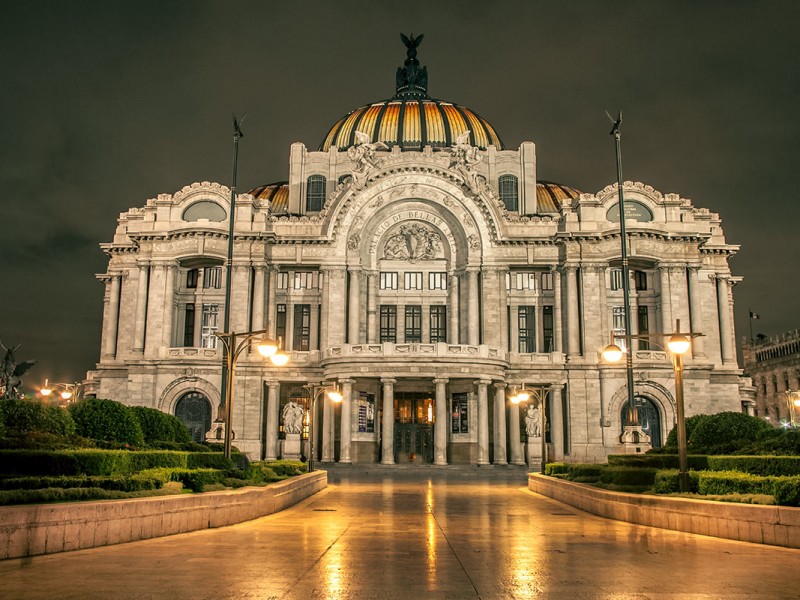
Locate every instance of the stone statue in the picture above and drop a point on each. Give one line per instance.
(533, 425)
(293, 417)
(10, 373)
(463, 157)
(411, 78)
(362, 153)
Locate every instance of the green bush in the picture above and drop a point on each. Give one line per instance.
(777, 441)
(697, 462)
(58, 495)
(691, 423)
(87, 462)
(261, 472)
(287, 468)
(208, 460)
(195, 479)
(556, 468)
(102, 419)
(667, 482)
(122, 484)
(756, 465)
(722, 433)
(37, 462)
(787, 491)
(29, 415)
(160, 426)
(628, 476)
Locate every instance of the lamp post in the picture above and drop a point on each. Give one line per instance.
(69, 391)
(678, 344)
(334, 393)
(235, 344)
(539, 396)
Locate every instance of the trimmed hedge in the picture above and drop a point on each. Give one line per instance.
(122, 484)
(697, 462)
(287, 468)
(28, 415)
(159, 426)
(785, 489)
(58, 495)
(102, 419)
(196, 479)
(757, 465)
(209, 460)
(721, 433)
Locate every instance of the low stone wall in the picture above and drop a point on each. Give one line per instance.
(46, 528)
(775, 525)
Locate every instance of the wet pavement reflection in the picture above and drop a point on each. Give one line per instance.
(418, 537)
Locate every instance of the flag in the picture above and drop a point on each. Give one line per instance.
(754, 315)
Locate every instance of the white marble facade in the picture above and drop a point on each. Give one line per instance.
(427, 297)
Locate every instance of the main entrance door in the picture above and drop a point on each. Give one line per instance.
(194, 410)
(413, 428)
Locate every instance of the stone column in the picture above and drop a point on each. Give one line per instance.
(347, 420)
(503, 310)
(288, 340)
(324, 311)
(573, 329)
(240, 297)
(695, 312)
(473, 308)
(500, 424)
(513, 435)
(271, 304)
(387, 426)
(558, 319)
(258, 298)
(353, 307)
(141, 307)
(557, 423)
(335, 306)
(440, 437)
(725, 324)
(372, 307)
(667, 323)
(155, 310)
(605, 328)
(112, 318)
(169, 305)
(273, 406)
(327, 429)
(483, 421)
(453, 310)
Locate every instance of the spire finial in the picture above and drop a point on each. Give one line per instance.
(412, 80)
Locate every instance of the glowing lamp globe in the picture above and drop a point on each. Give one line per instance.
(612, 353)
(267, 347)
(679, 344)
(335, 395)
(279, 359)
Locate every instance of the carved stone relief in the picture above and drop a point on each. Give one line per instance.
(413, 242)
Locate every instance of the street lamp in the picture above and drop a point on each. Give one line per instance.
(678, 344)
(538, 395)
(793, 402)
(334, 394)
(235, 344)
(68, 391)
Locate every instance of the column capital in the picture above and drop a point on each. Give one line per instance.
(272, 384)
(483, 382)
(260, 266)
(571, 268)
(441, 380)
(501, 385)
(349, 380)
(388, 380)
(354, 269)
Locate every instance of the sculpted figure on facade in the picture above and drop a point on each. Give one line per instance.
(533, 425)
(11, 372)
(293, 418)
(463, 158)
(413, 242)
(364, 158)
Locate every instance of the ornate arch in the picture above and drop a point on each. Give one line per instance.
(183, 385)
(652, 390)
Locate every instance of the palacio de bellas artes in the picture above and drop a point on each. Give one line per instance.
(429, 272)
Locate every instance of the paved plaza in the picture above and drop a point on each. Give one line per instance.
(416, 536)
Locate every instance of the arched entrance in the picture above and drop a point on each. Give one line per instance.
(649, 418)
(194, 411)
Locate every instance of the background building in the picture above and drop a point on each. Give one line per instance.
(426, 267)
(773, 363)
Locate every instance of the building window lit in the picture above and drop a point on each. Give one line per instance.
(437, 281)
(315, 193)
(306, 280)
(547, 281)
(521, 281)
(508, 186)
(616, 279)
(527, 329)
(301, 335)
(212, 277)
(438, 323)
(388, 324)
(413, 281)
(388, 281)
(210, 325)
(282, 280)
(618, 326)
(413, 319)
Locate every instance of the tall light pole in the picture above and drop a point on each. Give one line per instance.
(237, 135)
(633, 415)
(314, 392)
(234, 344)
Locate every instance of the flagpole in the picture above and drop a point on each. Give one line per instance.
(750, 322)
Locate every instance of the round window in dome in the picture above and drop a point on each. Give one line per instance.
(204, 209)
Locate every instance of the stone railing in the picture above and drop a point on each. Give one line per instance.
(415, 350)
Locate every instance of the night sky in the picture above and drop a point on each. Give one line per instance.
(107, 104)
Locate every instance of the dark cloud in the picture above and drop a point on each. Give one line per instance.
(105, 105)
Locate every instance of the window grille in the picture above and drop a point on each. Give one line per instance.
(527, 329)
(388, 281)
(413, 281)
(315, 193)
(508, 185)
(212, 277)
(437, 281)
(388, 325)
(438, 323)
(210, 321)
(413, 328)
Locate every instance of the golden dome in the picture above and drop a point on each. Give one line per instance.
(277, 194)
(549, 196)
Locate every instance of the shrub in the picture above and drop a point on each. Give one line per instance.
(667, 482)
(628, 476)
(778, 441)
(122, 484)
(691, 423)
(28, 415)
(756, 465)
(208, 460)
(658, 461)
(261, 472)
(195, 479)
(787, 491)
(87, 462)
(58, 495)
(556, 468)
(102, 419)
(160, 426)
(287, 468)
(722, 433)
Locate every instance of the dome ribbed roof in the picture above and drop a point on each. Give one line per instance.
(549, 196)
(412, 119)
(277, 194)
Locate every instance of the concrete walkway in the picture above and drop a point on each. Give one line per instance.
(427, 537)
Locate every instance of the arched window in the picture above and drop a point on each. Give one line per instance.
(315, 193)
(509, 191)
(649, 419)
(194, 411)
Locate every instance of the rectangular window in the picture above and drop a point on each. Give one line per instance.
(618, 324)
(616, 279)
(191, 278)
(547, 329)
(438, 323)
(388, 281)
(413, 281)
(388, 324)
(640, 279)
(413, 328)
(643, 326)
(527, 329)
(188, 326)
(547, 281)
(437, 281)
(212, 277)
(210, 319)
(521, 281)
(280, 322)
(459, 415)
(301, 337)
(282, 280)
(306, 280)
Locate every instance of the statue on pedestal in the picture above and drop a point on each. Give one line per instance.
(293, 418)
